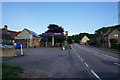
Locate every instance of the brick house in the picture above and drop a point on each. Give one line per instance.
(6, 36)
(104, 39)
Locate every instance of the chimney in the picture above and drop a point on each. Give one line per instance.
(108, 29)
(5, 27)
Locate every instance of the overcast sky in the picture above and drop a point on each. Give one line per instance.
(75, 17)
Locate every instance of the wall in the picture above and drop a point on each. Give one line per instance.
(7, 52)
(111, 36)
(36, 43)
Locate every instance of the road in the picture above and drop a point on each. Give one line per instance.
(102, 64)
(80, 62)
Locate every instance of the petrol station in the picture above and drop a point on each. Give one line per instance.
(53, 35)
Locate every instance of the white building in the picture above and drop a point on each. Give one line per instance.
(28, 37)
(84, 39)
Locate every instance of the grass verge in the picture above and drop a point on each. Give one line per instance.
(113, 49)
(9, 71)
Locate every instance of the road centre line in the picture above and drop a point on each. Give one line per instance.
(95, 74)
(117, 64)
(81, 59)
(87, 65)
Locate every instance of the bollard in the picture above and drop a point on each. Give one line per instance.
(21, 50)
(63, 48)
(52, 45)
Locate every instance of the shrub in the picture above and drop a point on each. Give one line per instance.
(114, 44)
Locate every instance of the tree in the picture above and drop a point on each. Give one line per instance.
(40, 35)
(70, 40)
(53, 28)
(78, 37)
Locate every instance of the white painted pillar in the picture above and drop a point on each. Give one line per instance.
(46, 42)
(30, 43)
(39, 42)
(31, 40)
(27, 43)
(53, 40)
(21, 50)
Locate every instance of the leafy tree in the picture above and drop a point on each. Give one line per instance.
(78, 37)
(70, 40)
(40, 35)
(53, 28)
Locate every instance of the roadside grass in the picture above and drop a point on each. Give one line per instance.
(113, 49)
(9, 71)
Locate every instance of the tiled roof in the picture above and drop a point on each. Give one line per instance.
(108, 33)
(18, 32)
(33, 33)
(13, 33)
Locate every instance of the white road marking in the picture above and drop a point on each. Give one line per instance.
(95, 75)
(81, 59)
(99, 56)
(110, 56)
(117, 64)
(86, 64)
(103, 54)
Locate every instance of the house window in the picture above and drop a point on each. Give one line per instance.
(116, 35)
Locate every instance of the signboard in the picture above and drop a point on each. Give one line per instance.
(52, 34)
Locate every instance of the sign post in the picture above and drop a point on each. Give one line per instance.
(66, 38)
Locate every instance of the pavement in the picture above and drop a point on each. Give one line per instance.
(49, 63)
(80, 62)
